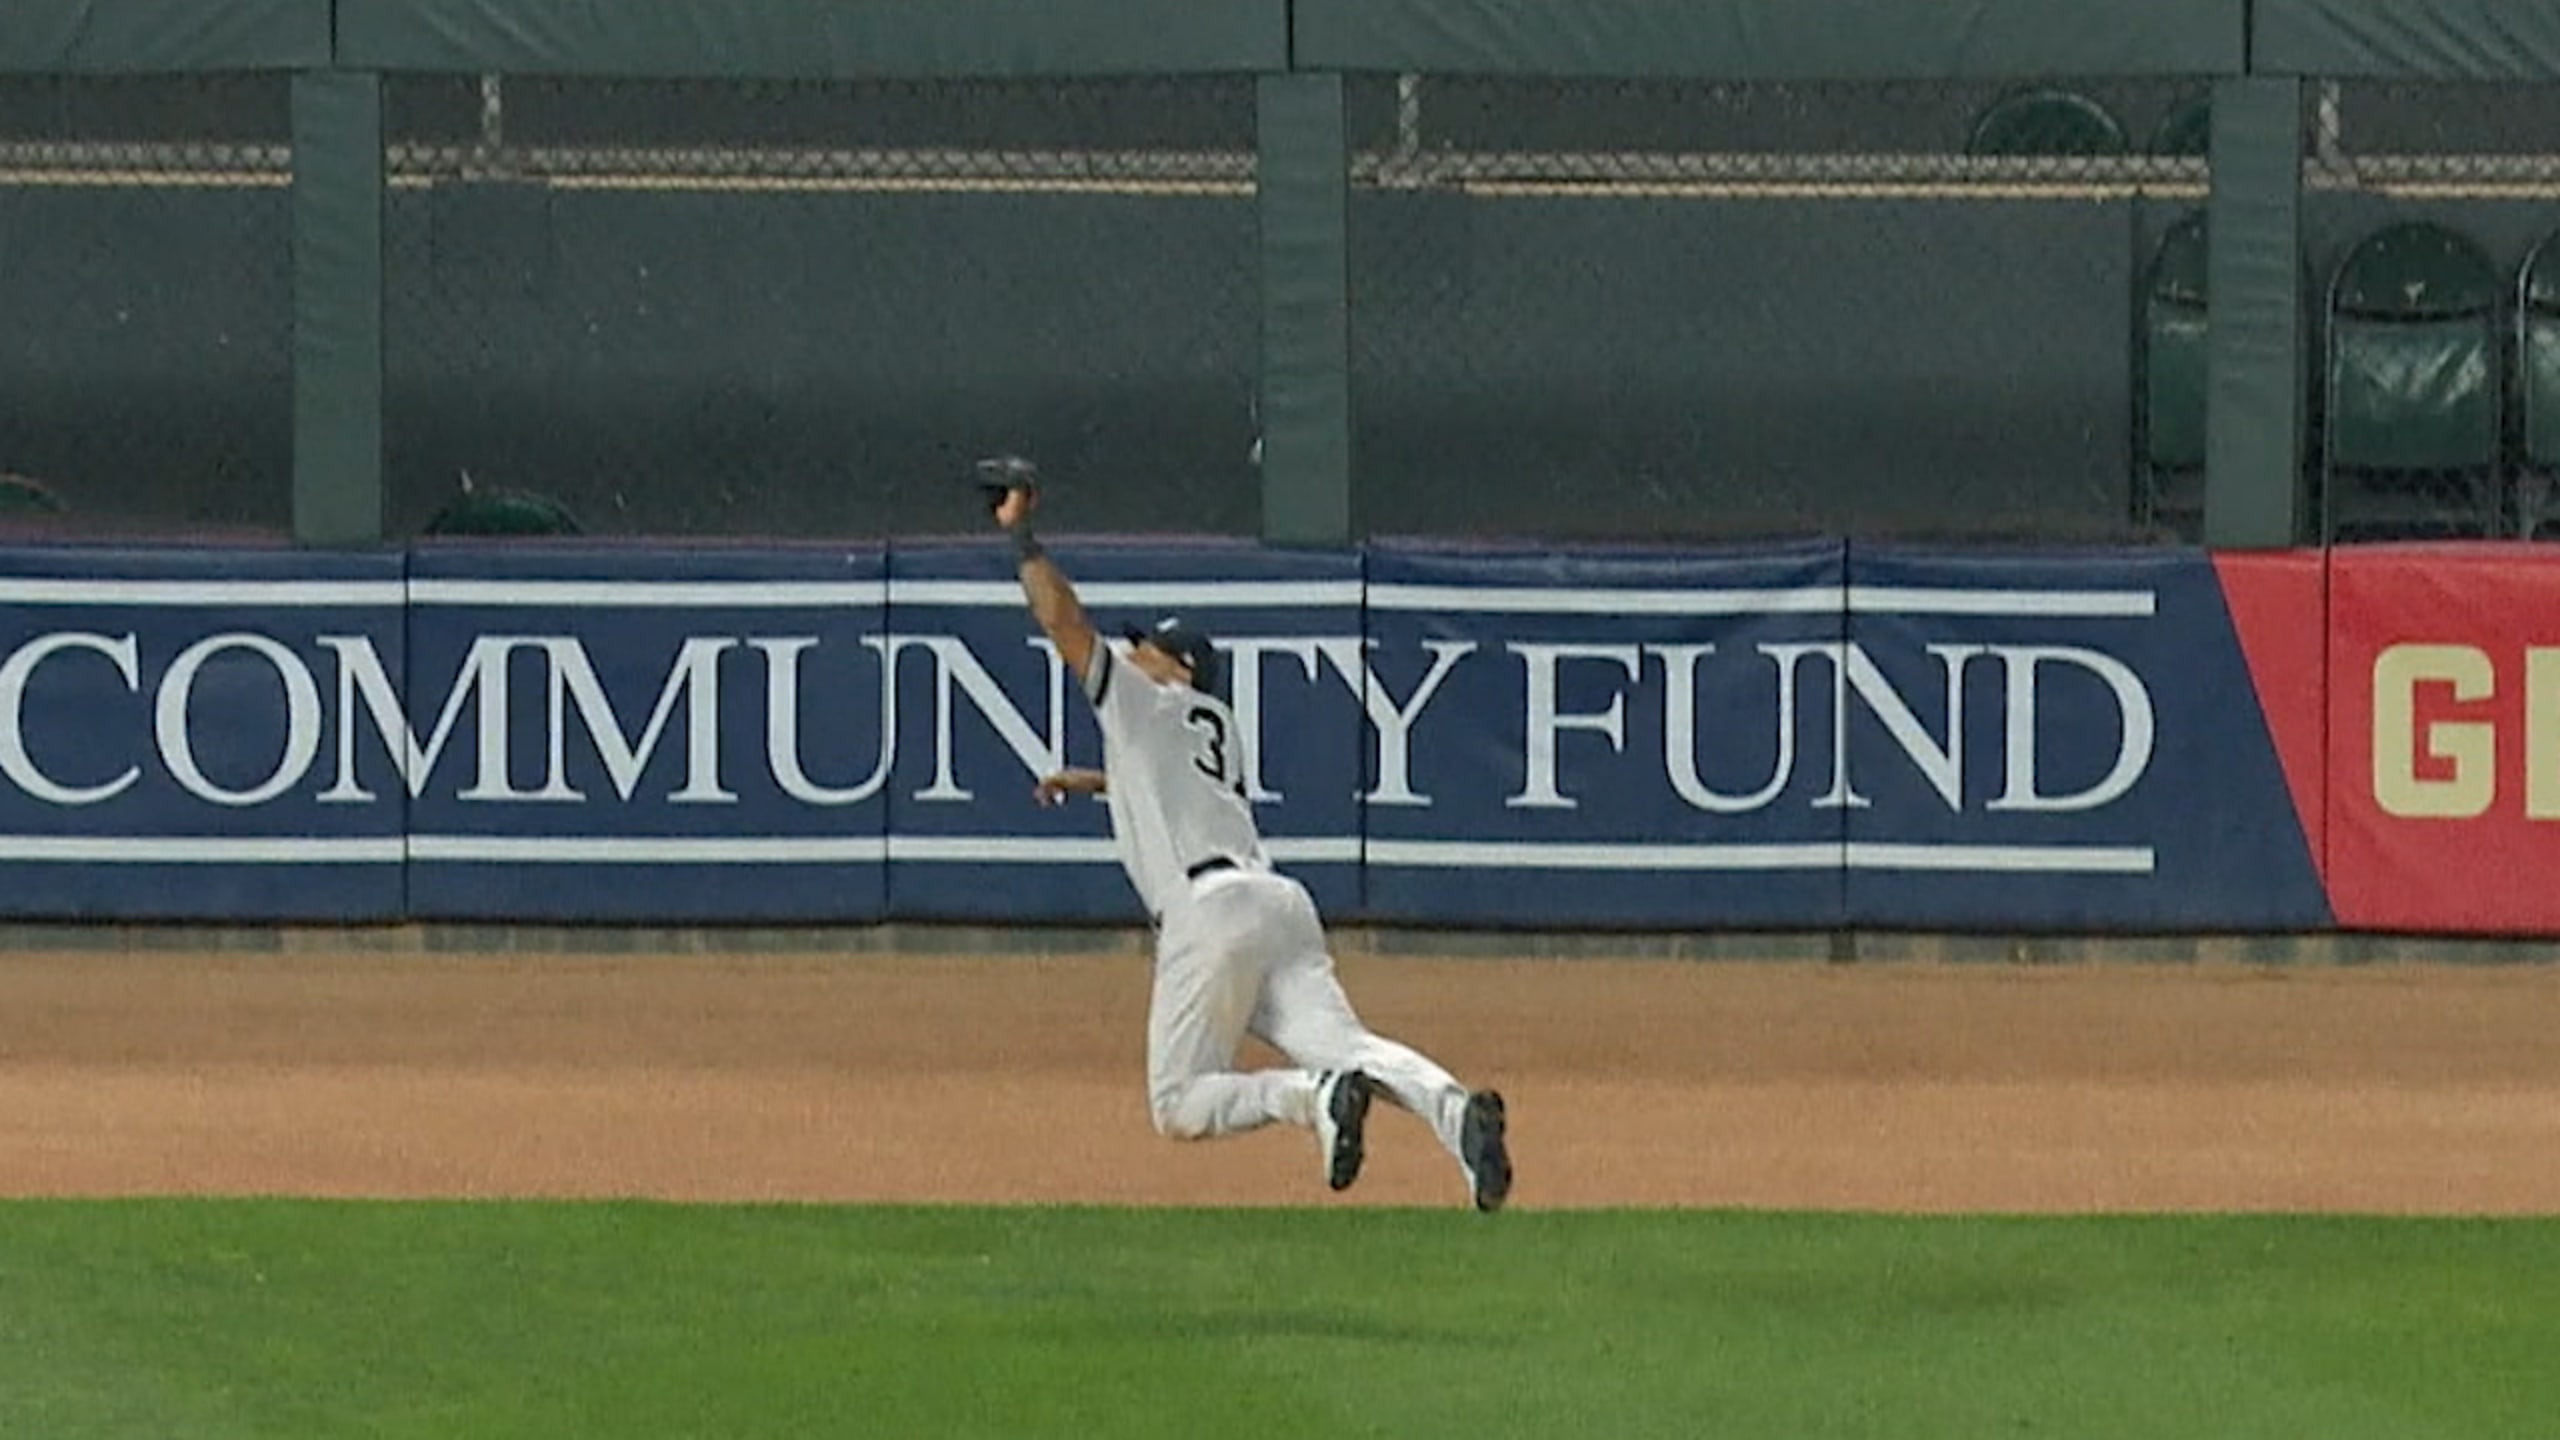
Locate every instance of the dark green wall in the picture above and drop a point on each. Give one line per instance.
(145, 361)
(811, 364)
(1633, 369)
(820, 364)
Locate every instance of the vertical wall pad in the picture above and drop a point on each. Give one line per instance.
(2444, 738)
(337, 307)
(647, 736)
(982, 705)
(2254, 405)
(1303, 204)
(2060, 742)
(184, 746)
(1633, 738)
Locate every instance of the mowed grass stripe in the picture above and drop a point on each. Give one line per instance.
(215, 1319)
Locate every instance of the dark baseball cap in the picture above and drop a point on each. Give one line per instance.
(1186, 643)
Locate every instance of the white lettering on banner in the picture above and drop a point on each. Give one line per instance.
(1942, 765)
(2468, 749)
(2134, 738)
(301, 729)
(1716, 701)
(1393, 721)
(782, 722)
(483, 673)
(15, 761)
(1543, 722)
(2541, 734)
(1680, 728)
(1244, 697)
(1346, 656)
(955, 666)
(364, 686)
(2464, 751)
(695, 674)
(1938, 758)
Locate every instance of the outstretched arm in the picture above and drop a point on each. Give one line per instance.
(1053, 600)
(1054, 789)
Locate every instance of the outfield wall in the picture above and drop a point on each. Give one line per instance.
(1803, 736)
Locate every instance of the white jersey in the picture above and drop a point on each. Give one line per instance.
(1173, 764)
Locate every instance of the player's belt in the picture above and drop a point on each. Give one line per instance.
(1210, 866)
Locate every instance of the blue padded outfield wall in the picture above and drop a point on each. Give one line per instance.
(174, 736)
(649, 735)
(1803, 735)
(1659, 725)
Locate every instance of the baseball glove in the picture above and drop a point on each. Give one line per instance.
(996, 475)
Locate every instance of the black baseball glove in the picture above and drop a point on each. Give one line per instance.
(994, 476)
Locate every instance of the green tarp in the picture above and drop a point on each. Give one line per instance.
(2409, 39)
(1704, 39)
(73, 37)
(1774, 39)
(816, 39)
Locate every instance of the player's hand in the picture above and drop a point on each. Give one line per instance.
(1009, 485)
(1055, 788)
(1015, 507)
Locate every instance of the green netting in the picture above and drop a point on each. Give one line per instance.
(796, 309)
(145, 306)
(1634, 310)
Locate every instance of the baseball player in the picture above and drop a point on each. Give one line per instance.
(1239, 947)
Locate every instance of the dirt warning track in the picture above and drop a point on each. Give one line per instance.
(2108, 1087)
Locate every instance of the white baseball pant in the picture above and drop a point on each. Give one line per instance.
(1243, 952)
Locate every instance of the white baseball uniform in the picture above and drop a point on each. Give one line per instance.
(1239, 948)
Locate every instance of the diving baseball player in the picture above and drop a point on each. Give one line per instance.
(1239, 948)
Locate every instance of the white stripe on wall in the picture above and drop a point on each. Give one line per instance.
(666, 594)
(1314, 849)
(997, 594)
(617, 850)
(2019, 859)
(22, 590)
(1805, 600)
(663, 594)
(651, 849)
(1816, 855)
(1136, 594)
(203, 849)
(1069, 850)
(1000, 849)
(2091, 604)
(1538, 600)
(1085, 850)
(1573, 855)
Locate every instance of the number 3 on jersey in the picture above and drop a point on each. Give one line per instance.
(1213, 760)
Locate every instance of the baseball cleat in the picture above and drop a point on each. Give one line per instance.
(1342, 1122)
(1482, 1151)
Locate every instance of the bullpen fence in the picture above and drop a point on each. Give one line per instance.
(1817, 735)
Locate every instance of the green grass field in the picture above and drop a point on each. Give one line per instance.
(207, 1320)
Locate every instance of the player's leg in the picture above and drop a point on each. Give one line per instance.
(1305, 1012)
(1306, 1015)
(1208, 979)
